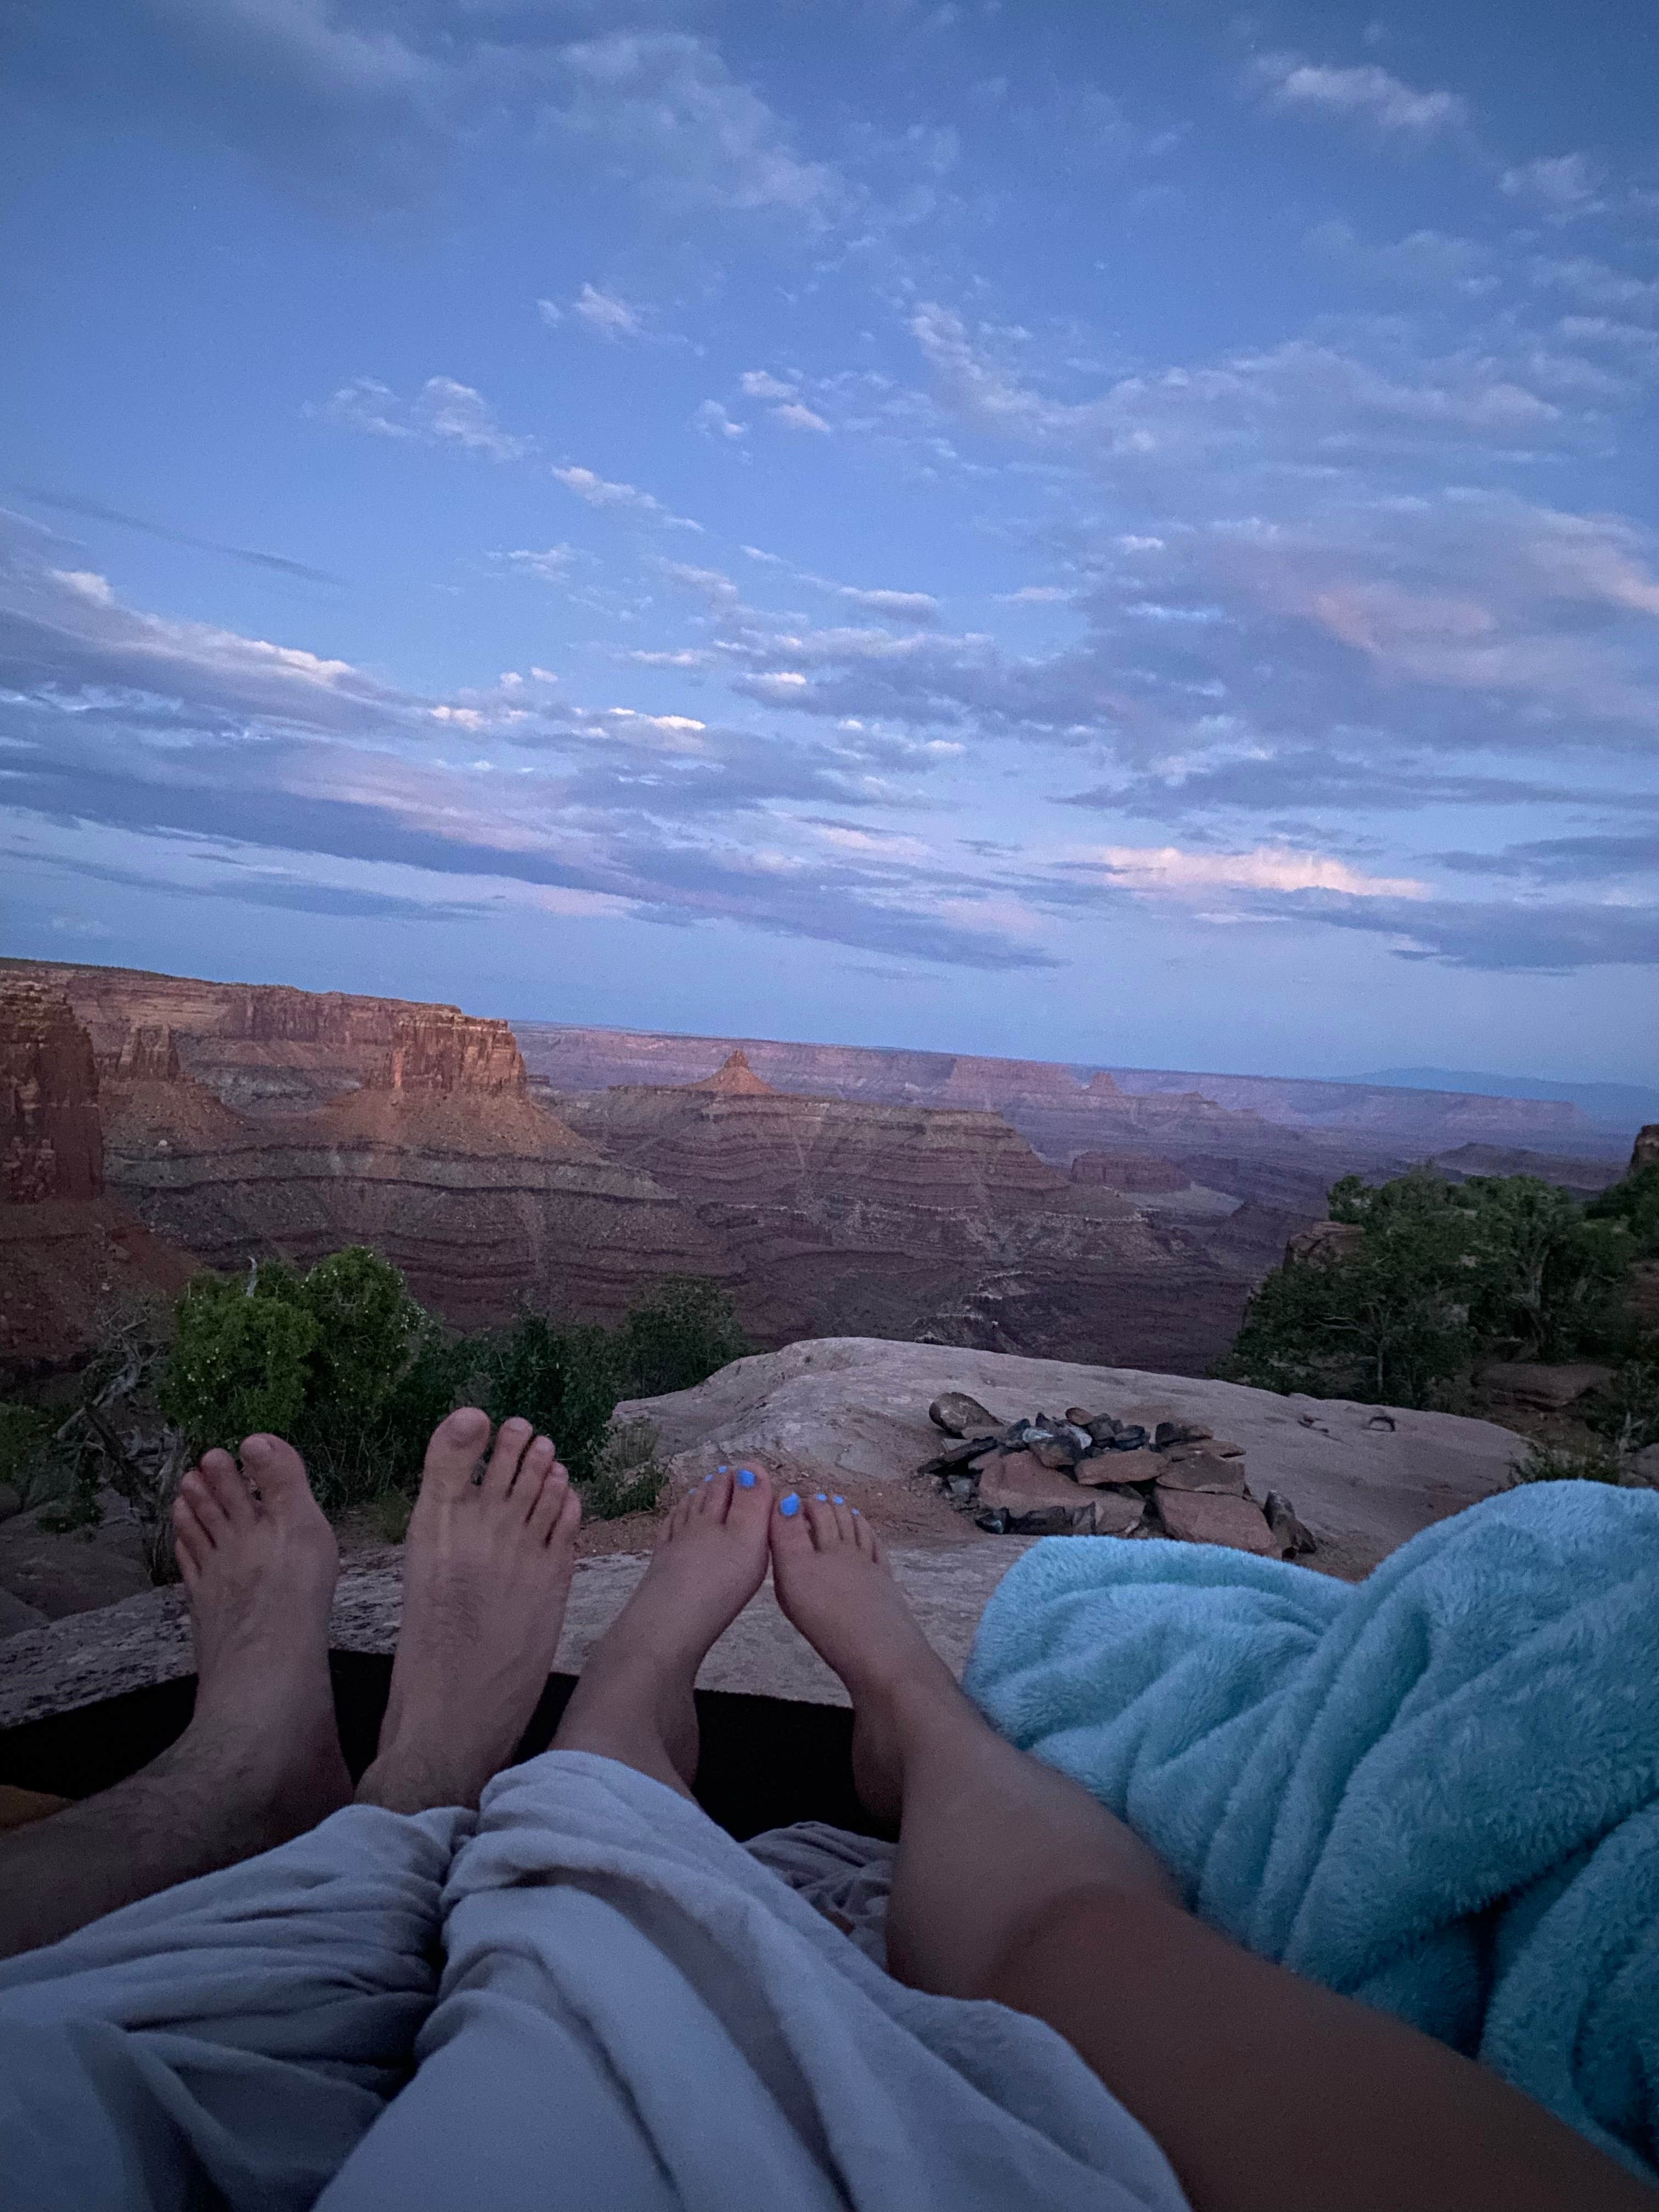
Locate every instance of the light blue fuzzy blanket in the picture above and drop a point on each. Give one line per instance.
(1438, 1791)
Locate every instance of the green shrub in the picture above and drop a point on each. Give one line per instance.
(679, 1334)
(564, 1379)
(628, 1477)
(1633, 1206)
(24, 1430)
(1498, 1267)
(1627, 1411)
(1562, 1464)
(341, 1361)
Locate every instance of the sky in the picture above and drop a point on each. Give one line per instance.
(1117, 535)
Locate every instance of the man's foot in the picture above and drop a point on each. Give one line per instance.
(633, 1702)
(259, 1564)
(487, 1571)
(833, 1584)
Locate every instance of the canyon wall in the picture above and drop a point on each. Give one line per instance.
(438, 1157)
(847, 1217)
(71, 1257)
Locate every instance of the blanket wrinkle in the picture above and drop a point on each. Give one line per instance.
(1436, 1790)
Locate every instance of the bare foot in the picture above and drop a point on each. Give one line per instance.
(633, 1702)
(259, 1564)
(487, 1571)
(833, 1584)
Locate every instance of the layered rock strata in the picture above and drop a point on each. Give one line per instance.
(439, 1159)
(70, 1256)
(911, 1221)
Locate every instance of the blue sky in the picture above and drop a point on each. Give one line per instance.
(1115, 535)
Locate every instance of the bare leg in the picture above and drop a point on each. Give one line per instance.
(261, 1760)
(1011, 1883)
(633, 1702)
(487, 1571)
(976, 1817)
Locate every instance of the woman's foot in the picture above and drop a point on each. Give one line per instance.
(487, 1569)
(633, 1702)
(833, 1584)
(259, 1564)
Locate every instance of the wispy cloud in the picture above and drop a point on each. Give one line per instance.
(1364, 93)
(597, 491)
(443, 412)
(95, 510)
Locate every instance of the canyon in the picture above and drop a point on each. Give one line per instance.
(998, 1205)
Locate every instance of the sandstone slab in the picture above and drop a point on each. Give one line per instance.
(1198, 1517)
(146, 1639)
(1018, 1482)
(858, 1406)
(1119, 1466)
(1211, 1478)
(1533, 1382)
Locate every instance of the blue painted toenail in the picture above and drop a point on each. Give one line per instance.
(721, 1469)
(745, 1478)
(855, 1512)
(789, 1506)
(710, 1478)
(840, 1500)
(822, 1500)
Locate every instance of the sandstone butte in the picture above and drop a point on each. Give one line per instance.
(438, 1159)
(66, 1248)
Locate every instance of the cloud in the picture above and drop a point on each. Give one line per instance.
(1562, 186)
(760, 384)
(602, 314)
(95, 510)
(161, 733)
(1168, 869)
(443, 412)
(1365, 91)
(598, 492)
(664, 106)
(1035, 595)
(713, 421)
(551, 567)
(796, 415)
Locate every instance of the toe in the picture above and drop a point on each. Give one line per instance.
(453, 1452)
(511, 1441)
(751, 1497)
(190, 1543)
(533, 1471)
(713, 1497)
(205, 1488)
(558, 1509)
(277, 1471)
(790, 1530)
(819, 1515)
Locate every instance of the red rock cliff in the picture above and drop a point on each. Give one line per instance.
(51, 1144)
(437, 1048)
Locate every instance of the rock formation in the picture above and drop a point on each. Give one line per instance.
(438, 1157)
(1645, 1151)
(69, 1254)
(907, 1221)
(50, 1141)
(852, 1414)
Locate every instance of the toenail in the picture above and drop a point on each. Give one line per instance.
(838, 1499)
(745, 1478)
(855, 1512)
(710, 1478)
(789, 1506)
(721, 1469)
(823, 1499)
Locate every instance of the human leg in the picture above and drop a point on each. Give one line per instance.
(633, 1702)
(1011, 1883)
(487, 1570)
(261, 1760)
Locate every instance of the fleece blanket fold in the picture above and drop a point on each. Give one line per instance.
(1438, 1791)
